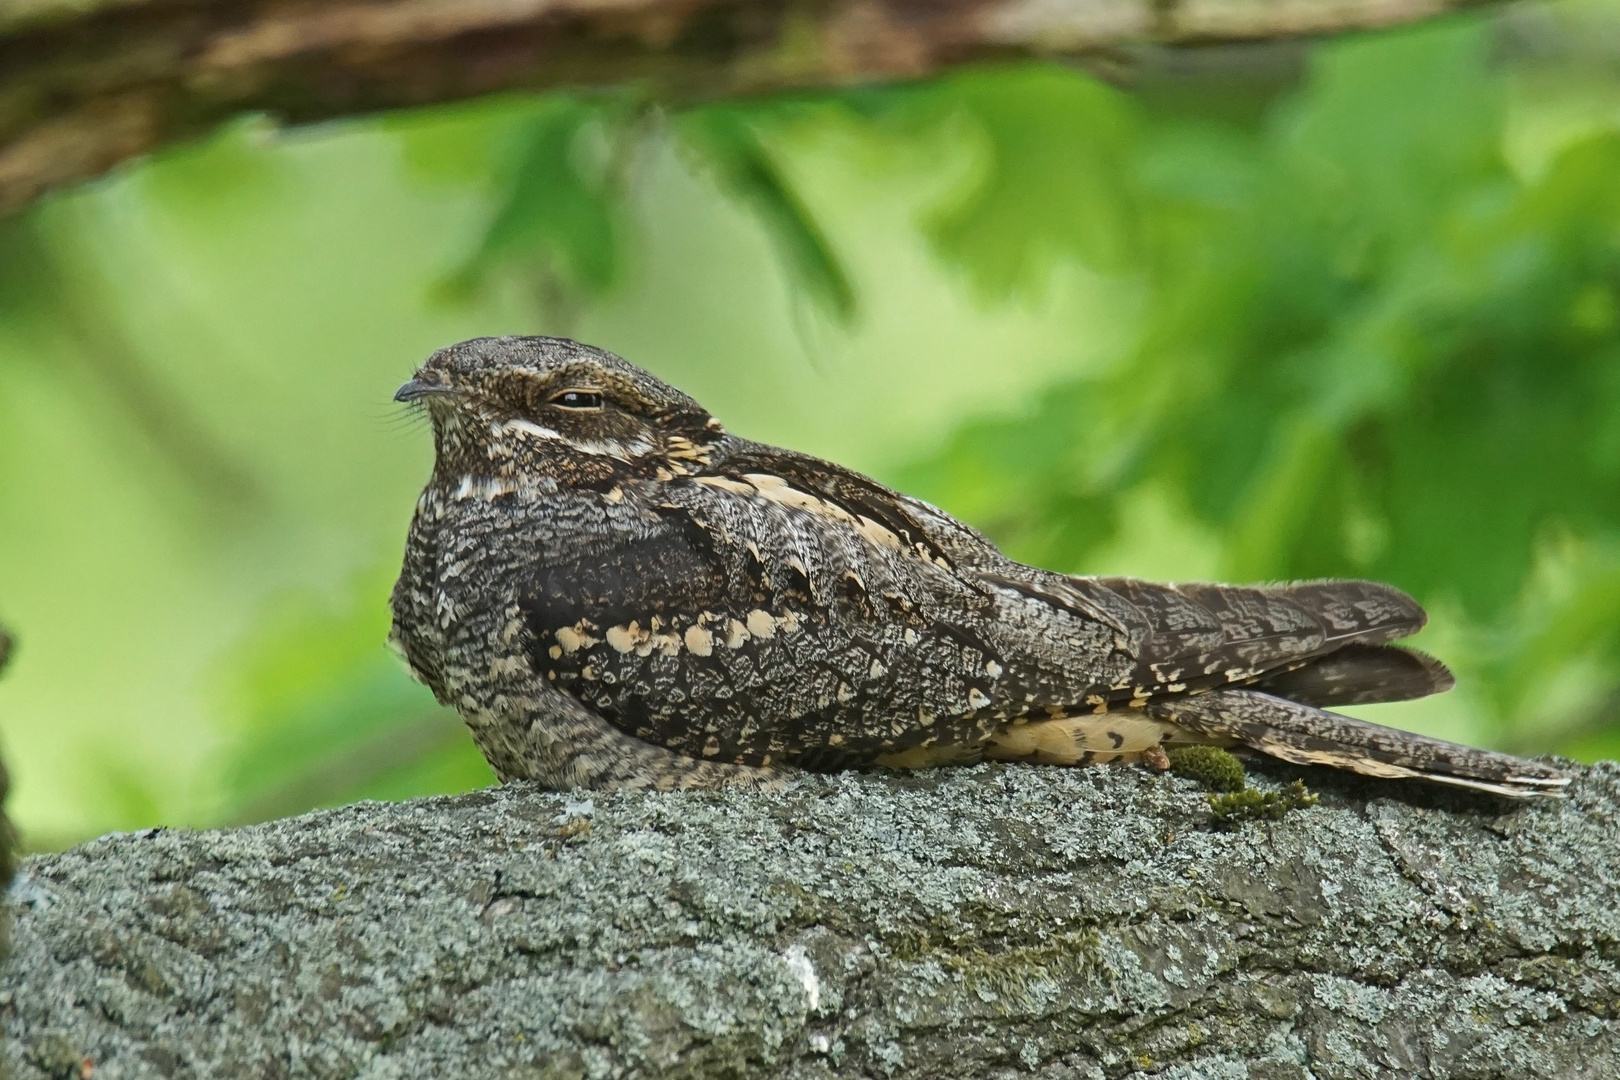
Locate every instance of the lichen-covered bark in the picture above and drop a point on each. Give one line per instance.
(85, 84)
(986, 922)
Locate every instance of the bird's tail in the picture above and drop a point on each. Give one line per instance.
(1306, 735)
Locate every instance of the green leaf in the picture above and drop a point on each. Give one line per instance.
(1050, 182)
(321, 712)
(559, 204)
(725, 142)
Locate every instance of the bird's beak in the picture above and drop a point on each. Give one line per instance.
(416, 388)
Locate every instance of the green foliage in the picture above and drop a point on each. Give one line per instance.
(562, 170)
(727, 143)
(323, 714)
(1370, 349)
(1050, 180)
(560, 193)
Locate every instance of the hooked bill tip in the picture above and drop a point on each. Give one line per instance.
(416, 388)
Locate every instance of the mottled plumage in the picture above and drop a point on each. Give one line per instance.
(615, 592)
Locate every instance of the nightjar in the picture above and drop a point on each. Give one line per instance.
(614, 592)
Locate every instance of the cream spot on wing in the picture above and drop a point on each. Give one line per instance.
(876, 671)
(570, 639)
(789, 622)
(977, 699)
(925, 718)
(615, 494)
(761, 625)
(555, 652)
(736, 634)
(876, 533)
(699, 641)
(912, 637)
(508, 665)
(992, 669)
(622, 638)
(668, 644)
(777, 490)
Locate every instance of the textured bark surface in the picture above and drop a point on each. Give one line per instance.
(987, 922)
(85, 84)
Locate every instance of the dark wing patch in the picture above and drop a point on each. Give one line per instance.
(666, 573)
(1309, 736)
(1359, 674)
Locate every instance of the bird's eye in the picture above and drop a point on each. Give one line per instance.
(578, 399)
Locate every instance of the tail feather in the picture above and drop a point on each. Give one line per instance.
(1304, 735)
(1203, 636)
(1358, 674)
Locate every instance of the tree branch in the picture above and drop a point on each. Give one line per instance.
(991, 922)
(85, 84)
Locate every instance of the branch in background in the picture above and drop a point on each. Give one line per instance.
(89, 83)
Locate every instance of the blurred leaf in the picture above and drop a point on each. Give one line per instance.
(1050, 182)
(463, 144)
(725, 142)
(560, 200)
(53, 293)
(1369, 349)
(323, 712)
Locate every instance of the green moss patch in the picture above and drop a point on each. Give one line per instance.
(1211, 766)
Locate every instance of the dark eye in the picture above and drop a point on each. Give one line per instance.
(578, 399)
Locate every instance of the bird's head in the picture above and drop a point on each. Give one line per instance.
(539, 409)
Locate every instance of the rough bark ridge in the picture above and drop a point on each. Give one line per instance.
(986, 922)
(85, 84)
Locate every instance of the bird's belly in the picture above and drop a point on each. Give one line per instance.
(1090, 738)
